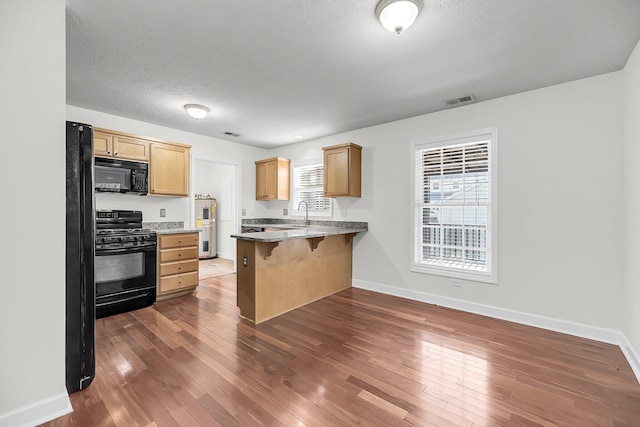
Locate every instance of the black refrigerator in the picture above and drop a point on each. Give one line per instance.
(80, 281)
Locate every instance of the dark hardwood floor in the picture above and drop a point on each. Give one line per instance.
(354, 358)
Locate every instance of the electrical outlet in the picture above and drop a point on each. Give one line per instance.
(163, 213)
(245, 261)
(285, 212)
(456, 283)
(244, 212)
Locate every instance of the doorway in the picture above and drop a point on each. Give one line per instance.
(220, 181)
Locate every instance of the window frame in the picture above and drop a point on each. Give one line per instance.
(293, 208)
(491, 275)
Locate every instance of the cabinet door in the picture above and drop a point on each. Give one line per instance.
(336, 172)
(272, 179)
(342, 170)
(266, 180)
(130, 148)
(102, 144)
(169, 170)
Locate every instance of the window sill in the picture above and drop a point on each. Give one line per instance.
(456, 274)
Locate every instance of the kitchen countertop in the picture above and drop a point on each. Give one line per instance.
(169, 227)
(298, 230)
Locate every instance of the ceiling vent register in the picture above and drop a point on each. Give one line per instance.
(467, 99)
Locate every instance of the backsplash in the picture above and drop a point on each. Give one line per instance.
(164, 225)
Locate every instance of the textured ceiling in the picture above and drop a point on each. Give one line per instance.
(270, 70)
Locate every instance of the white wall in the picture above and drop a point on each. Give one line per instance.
(632, 196)
(219, 181)
(32, 311)
(560, 201)
(202, 147)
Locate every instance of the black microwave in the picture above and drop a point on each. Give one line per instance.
(121, 176)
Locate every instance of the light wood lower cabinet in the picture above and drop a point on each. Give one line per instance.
(276, 277)
(177, 265)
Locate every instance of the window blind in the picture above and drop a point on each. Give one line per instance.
(308, 187)
(453, 206)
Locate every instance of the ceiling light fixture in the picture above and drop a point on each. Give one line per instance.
(197, 111)
(398, 15)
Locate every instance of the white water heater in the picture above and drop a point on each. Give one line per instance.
(206, 222)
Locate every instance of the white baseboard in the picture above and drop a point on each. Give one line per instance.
(38, 412)
(632, 356)
(609, 336)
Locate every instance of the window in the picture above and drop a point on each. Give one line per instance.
(308, 179)
(455, 208)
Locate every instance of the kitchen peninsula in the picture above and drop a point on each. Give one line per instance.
(285, 265)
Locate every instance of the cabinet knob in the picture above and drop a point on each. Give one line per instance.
(115, 154)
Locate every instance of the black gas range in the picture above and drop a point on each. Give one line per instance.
(125, 262)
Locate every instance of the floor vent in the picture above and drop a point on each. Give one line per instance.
(462, 100)
(232, 134)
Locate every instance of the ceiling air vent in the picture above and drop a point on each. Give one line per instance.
(232, 134)
(462, 100)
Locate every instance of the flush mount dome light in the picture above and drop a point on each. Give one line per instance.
(398, 15)
(196, 111)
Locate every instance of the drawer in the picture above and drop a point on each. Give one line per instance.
(178, 282)
(178, 240)
(167, 269)
(178, 254)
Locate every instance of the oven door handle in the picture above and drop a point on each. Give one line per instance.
(130, 250)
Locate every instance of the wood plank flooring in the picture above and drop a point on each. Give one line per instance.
(354, 358)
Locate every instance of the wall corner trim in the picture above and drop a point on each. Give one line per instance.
(596, 333)
(38, 412)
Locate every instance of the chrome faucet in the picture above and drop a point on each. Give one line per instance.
(306, 211)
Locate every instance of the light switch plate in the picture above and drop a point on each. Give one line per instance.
(244, 212)
(163, 212)
(285, 212)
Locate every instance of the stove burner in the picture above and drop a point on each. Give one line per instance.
(121, 229)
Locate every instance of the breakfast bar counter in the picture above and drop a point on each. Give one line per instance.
(291, 264)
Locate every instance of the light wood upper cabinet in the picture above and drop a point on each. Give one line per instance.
(342, 170)
(272, 179)
(122, 146)
(169, 169)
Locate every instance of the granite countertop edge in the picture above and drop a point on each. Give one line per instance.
(169, 227)
(178, 231)
(299, 230)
